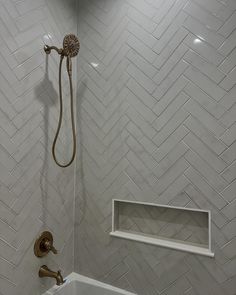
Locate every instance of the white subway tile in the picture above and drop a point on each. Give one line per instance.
(205, 50)
(205, 17)
(203, 32)
(205, 83)
(141, 48)
(141, 78)
(204, 117)
(208, 103)
(228, 45)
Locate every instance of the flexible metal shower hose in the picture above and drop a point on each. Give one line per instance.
(60, 117)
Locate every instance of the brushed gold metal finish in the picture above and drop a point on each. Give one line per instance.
(70, 49)
(71, 45)
(44, 244)
(48, 49)
(44, 271)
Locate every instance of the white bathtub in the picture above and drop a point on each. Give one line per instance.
(79, 285)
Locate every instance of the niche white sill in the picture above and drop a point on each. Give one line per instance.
(180, 245)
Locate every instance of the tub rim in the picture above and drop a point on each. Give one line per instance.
(80, 278)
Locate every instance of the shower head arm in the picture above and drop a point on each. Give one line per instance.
(48, 49)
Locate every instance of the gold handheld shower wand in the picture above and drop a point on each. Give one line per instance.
(70, 49)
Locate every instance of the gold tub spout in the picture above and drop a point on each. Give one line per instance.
(44, 271)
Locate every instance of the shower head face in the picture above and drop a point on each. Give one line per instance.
(71, 45)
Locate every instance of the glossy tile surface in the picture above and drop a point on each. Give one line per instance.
(34, 194)
(156, 117)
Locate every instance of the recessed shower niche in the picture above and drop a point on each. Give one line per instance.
(178, 228)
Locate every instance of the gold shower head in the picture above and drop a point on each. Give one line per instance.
(71, 45)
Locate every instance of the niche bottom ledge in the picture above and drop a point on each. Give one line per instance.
(181, 246)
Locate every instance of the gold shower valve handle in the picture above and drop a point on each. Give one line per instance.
(47, 244)
(44, 244)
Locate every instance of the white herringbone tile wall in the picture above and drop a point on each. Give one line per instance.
(34, 193)
(157, 122)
